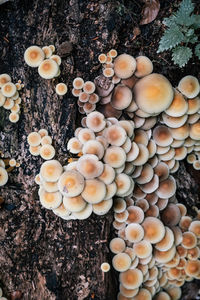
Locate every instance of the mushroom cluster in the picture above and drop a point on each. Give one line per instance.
(9, 96)
(40, 143)
(47, 62)
(6, 166)
(85, 92)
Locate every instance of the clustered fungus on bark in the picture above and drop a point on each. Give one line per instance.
(9, 96)
(6, 166)
(48, 64)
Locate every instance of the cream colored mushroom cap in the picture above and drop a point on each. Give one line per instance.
(131, 279)
(51, 170)
(61, 89)
(4, 78)
(8, 89)
(83, 214)
(3, 176)
(47, 152)
(121, 262)
(94, 191)
(144, 66)
(50, 200)
(189, 86)
(154, 230)
(34, 56)
(74, 204)
(124, 66)
(71, 183)
(153, 93)
(48, 69)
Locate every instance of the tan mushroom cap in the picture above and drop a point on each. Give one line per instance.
(180, 153)
(46, 140)
(2, 99)
(74, 204)
(74, 145)
(56, 58)
(193, 105)
(153, 211)
(178, 236)
(115, 135)
(131, 279)
(34, 56)
(78, 83)
(8, 89)
(143, 155)
(180, 133)
(189, 240)
(61, 89)
(178, 107)
(102, 58)
(95, 121)
(143, 249)
(174, 122)
(48, 69)
(136, 215)
(195, 228)
(105, 267)
(61, 211)
(167, 188)
(8, 104)
(119, 205)
(143, 294)
(4, 78)
(152, 147)
(153, 93)
(50, 200)
(93, 147)
(171, 215)
(195, 131)
(138, 193)
(194, 253)
(128, 127)
(154, 230)
(89, 166)
(51, 170)
(14, 117)
(89, 87)
(185, 222)
(121, 97)
(151, 186)
(123, 183)
(71, 183)
(94, 191)
(192, 268)
(162, 203)
(112, 53)
(50, 186)
(47, 152)
(108, 72)
(111, 190)
(93, 98)
(167, 242)
(121, 217)
(85, 134)
(124, 66)
(165, 256)
(108, 174)
(134, 152)
(83, 98)
(189, 86)
(34, 139)
(182, 208)
(47, 51)
(141, 137)
(144, 66)
(162, 136)
(121, 262)
(3, 176)
(174, 292)
(162, 171)
(115, 156)
(196, 165)
(127, 292)
(83, 214)
(134, 232)
(117, 245)
(102, 207)
(34, 150)
(162, 296)
(143, 204)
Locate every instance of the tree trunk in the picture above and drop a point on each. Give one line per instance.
(42, 255)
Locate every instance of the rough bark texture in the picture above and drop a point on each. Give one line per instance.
(42, 255)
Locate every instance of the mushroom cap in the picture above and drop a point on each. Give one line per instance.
(174, 122)
(195, 131)
(112, 53)
(162, 203)
(178, 236)
(154, 230)
(85, 134)
(48, 69)
(143, 294)
(8, 89)
(167, 242)
(109, 111)
(143, 204)
(47, 152)
(94, 191)
(14, 117)
(167, 188)
(180, 153)
(117, 245)
(189, 86)
(134, 152)
(115, 156)
(34, 56)
(95, 121)
(143, 155)
(126, 292)
(119, 205)
(83, 98)
(46, 140)
(83, 214)
(102, 58)
(56, 58)
(4, 78)
(121, 97)
(143, 249)
(134, 232)
(171, 215)
(2, 99)
(3, 176)
(50, 200)
(47, 51)
(195, 228)
(74, 145)
(89, 166)
(193, 254)
(124, 66)
(111, 190)
(108, 174)
(174, 292)
(123, 183)
(78, 83)
(115, 135)
(151, 186)
(193, 105)
(93, 98)
(93, 147)
(71, 183)
(89, 87)
(121, 262)
(152, 148)
(51, 170)
(61, 211)
(141, 137)
(153, 93)
(182, 208)
(108, 72)
(178, 107)
(162, 136)
(61, 89)
(162, 171)
(50, 186)
(192, 268)
(153, 211)
(102, 207)
(105, 267)
(189, 240)
(180, 133)
(128, 127)
(131, 279)
(74, 204)
(165, 256)
(136, 215)
(162, 296)
(144, 66)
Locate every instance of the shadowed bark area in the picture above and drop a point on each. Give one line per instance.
(42, 255)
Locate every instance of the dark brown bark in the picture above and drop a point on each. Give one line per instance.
(42, 255)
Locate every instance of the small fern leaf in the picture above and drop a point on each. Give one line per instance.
(169, 21)
(186, 6)
(197, 50)
(171, 38)
(181, 55)
(183, 14)
(196, 21)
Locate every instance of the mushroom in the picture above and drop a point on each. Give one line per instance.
(34, 56)
(105, 267)
(124, 66)
(154, 230)
(4, 78)
(47, 152)
(74, 204)
(8, 89)
(189, 86)
(121, 262)
(3, 176)
(134, 232)
(61, 89)
(121, 97)
(131, 279)
(144, 66)
(51, 170)
(48, 69)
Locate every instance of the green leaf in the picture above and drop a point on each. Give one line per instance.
(171, 38)
(183, 14)
(196, 21)
(186, 6)
(169, 21)
(181, 55)
(197, 50)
